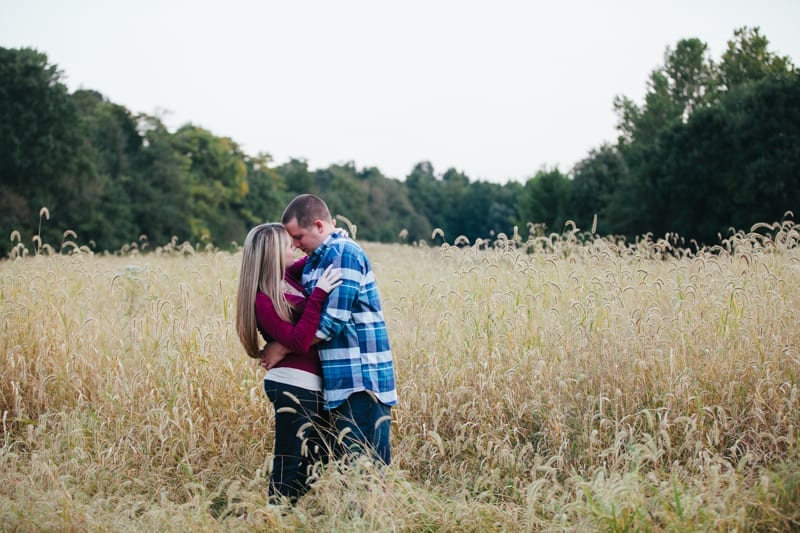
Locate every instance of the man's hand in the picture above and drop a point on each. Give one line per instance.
(272, 353)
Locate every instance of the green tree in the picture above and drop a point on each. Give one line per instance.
(298, 178)
(388, 210)
(342, 191)
(159, 193)
(40, 147)
(425, 193)
(216, 183)
(486, 209)
(748, 59)
(732, 165)
(681, 85)
(545, 200)
(502, 215)
(112, 145)
(266, 196)
(453, 189)
(594, 181)
(677, 147)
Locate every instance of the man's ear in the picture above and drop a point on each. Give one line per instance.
(319, 225)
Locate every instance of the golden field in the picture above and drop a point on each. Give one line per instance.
(560, 384)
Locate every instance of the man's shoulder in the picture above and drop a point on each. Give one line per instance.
(342, 244)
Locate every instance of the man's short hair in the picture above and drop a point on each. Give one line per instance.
(306, 208)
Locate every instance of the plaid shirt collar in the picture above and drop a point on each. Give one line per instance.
(317, 255)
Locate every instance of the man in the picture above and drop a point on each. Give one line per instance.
(357, 365)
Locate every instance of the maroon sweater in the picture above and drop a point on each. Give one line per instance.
(299, 336)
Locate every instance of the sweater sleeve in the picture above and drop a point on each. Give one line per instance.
(339, 309)
(297, 337)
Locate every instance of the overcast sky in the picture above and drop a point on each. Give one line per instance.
(497, 89)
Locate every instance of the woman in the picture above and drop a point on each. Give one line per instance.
(271, 302)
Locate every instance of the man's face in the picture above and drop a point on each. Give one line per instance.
(306, 239)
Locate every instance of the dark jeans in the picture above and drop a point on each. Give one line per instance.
(300, 430)
(368, 422)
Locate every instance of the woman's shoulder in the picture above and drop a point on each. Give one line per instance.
(262, 298)
(294, 272)
(293, 298)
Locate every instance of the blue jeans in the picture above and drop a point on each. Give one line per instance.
(300, 431)
(369, 423)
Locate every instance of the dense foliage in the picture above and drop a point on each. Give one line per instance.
(714, 145)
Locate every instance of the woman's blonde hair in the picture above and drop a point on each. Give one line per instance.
(263, 267)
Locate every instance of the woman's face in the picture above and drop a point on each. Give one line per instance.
(289, 250)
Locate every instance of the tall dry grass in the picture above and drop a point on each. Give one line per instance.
(562, 383)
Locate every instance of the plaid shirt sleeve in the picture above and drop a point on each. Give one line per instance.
(342, 300)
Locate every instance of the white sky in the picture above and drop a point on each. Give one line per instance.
(497, 89)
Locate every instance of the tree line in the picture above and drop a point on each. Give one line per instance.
(714, 145)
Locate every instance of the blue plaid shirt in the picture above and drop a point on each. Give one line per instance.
(355, 350)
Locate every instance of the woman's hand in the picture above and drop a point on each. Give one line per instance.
(272, 354)
(330, 279)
